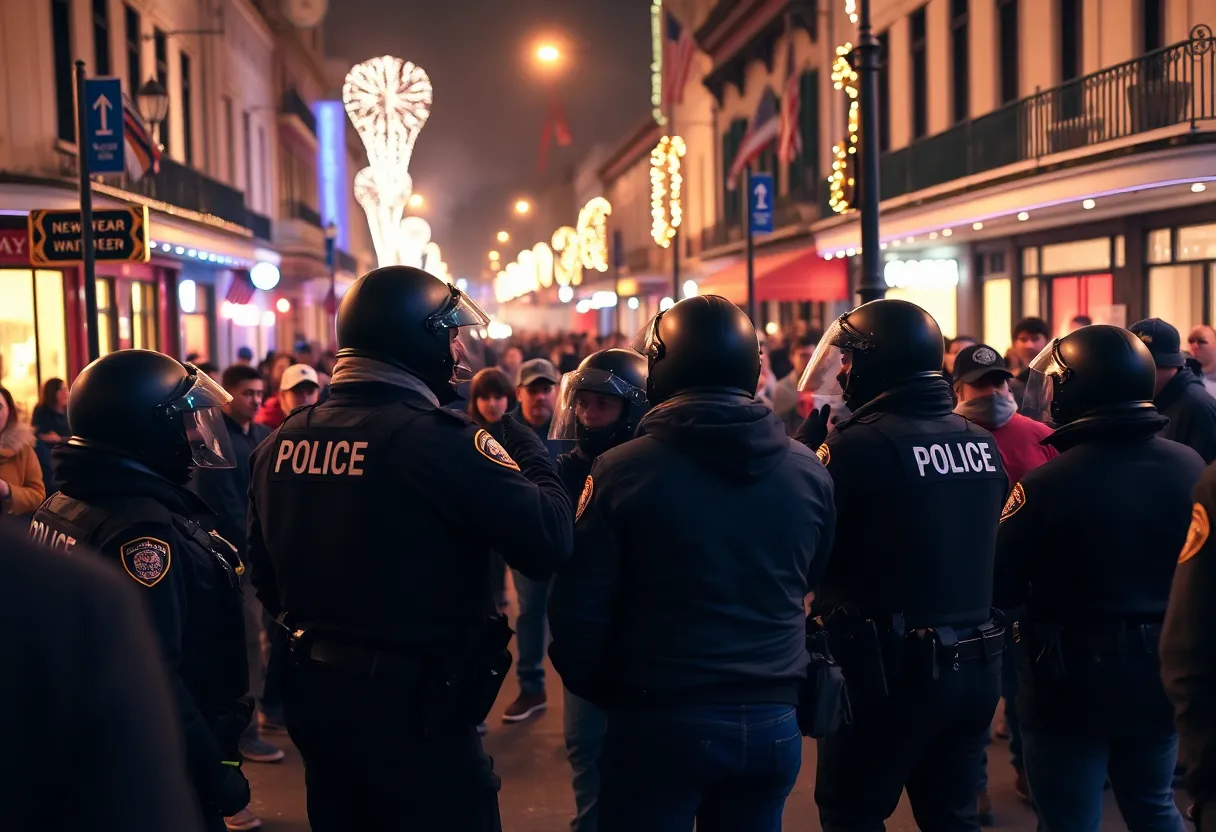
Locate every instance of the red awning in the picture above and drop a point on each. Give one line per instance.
(799, 275)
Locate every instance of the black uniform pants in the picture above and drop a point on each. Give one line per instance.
(366, 765)
(927, 736)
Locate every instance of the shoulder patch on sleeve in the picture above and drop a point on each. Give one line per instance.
(146, 559)
(824, 453)
(1197, 534)
(490, 448)
(584, 498)
(1017, 499)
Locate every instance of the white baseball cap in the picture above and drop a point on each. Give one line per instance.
(296, 375)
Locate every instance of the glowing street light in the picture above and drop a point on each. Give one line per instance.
(548, 54)
(522, 206)
(416, 201)
(503, 237)
(493, 255)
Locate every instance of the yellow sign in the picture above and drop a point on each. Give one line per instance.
(120, 235)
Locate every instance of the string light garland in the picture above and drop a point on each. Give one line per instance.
(568, 267)
(666, 185)
(593, 233)
(841, 181)
(850, 10)
(572, 251)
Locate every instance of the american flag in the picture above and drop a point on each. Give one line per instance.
(763, 131)
(241, 289)
(678, 51)
(789, 143)
(140, 152)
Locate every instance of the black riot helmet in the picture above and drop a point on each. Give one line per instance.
(413, 320)
(703, 341)
(617, 373)
(1096, 373)
(150, 408)
(886, 343)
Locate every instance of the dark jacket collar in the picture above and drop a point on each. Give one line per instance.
(375, 394)
(87, 473)
(1176, 388)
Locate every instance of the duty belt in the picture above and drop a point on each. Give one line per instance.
(371, 662)
(989, 644)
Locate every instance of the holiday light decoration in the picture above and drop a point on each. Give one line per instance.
(543, 256)
(850, 10)
(593, 233)
(414, 235)
(568, 268)
(666, 184)
(841, 181)
(388, 101)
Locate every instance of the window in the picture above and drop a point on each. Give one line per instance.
(959, 54)
(1007, 35)
(101, 37)
(884, 92)
(732, 208)
(33, 337)
(229, 142)
(65, 94)
(920, 76)
(1175, 294)
(1152, 25)
(196, 324)
(1160, 248)
(804, 169)
(105, 316)
(161, 48)
(143, 317)
(1091, 295)
(998, 313)
(135, 72)
(1070, 100)
(247, 148)
(187, 111)
(1196, 242)
(264, 167)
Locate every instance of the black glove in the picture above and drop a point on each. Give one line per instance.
(814, 430)
(229, 794)
(521, 441)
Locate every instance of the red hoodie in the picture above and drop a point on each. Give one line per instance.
(1018, 441)
(271, 414)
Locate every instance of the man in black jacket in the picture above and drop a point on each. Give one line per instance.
(599, 407)
(906, 598)
(1179, 395)
(1088, 544)
(681, 613)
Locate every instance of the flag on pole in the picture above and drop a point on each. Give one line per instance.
(555, 130)
(789, 144)
(241, 289)
(763, 131)
(140, 151)
(678, 51)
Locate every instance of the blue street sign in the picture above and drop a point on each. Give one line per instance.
(103, 135)
(760, 193)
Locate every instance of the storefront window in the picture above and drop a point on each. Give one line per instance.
(1197, 242)
(194, 300)
(1091, 295)
(1030, 261)
(1120, 252)
(930, 284)
(1159, 248)
(32, 334)
(143, 317)
(105, 316)
(1080, 256)
(52, 328)
(998, 313)
(1175, 294)
(1030, 298)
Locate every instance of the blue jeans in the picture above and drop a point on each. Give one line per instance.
(726, 767)
(531, 632)
(584, 726)
(1067, 773)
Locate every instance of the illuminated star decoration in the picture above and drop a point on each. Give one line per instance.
(840, 183)
(666, 184)
(388, 101)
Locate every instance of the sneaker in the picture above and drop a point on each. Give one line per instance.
(483, 729)
(983, 808)
(524, 706)
(242, 821)
(260, 751)
(271, 722)
(1021, 786)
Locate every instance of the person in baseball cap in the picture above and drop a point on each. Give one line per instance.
(1179, 394)
(298, 387)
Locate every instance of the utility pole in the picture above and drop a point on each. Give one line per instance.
(88, 266)
(871, 286)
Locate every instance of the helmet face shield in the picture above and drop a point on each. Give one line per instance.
(827, 364)
(202, 419)
(465, 322)
(1046, 371)
(591, 399)
(647, 342)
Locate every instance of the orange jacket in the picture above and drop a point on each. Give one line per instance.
(20, 469)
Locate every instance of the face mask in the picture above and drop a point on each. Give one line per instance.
(993, 411)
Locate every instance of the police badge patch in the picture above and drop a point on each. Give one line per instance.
(584, 498)
(1197, 534)
(1017, 499)
(146, 559)
(489, 447)
(824, 453)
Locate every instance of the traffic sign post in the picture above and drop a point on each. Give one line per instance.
(104, 133)
(760, 194)
(86, 216)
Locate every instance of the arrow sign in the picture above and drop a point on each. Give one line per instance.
(104, 134)
(760, 207)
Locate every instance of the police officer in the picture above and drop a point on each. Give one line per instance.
(1088, 543)
(1188, 654)
(372, 520)
(141, 422)
(681, 614)
(906, 598)
(599, 406)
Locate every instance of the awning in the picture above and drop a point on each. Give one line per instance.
(798, 275)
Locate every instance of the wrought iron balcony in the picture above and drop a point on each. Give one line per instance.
(1171, 86)
(294, 209)
(293, 104)
(187, 188)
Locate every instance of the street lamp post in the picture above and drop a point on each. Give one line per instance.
(871, 286)
(331, 243)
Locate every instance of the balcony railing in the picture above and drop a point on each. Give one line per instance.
(259, 225)
(293, 104)
(1171, 86)
(294, 209)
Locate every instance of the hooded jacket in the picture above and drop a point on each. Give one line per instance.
(695, 545)
(20, 468)
(1191, 411)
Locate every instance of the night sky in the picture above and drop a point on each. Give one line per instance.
(481, 147)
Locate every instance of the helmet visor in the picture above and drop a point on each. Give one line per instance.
(1041, 381)
(646, 342)
(822, 372)
(592, 399)
(203, 420)
(466, 323)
